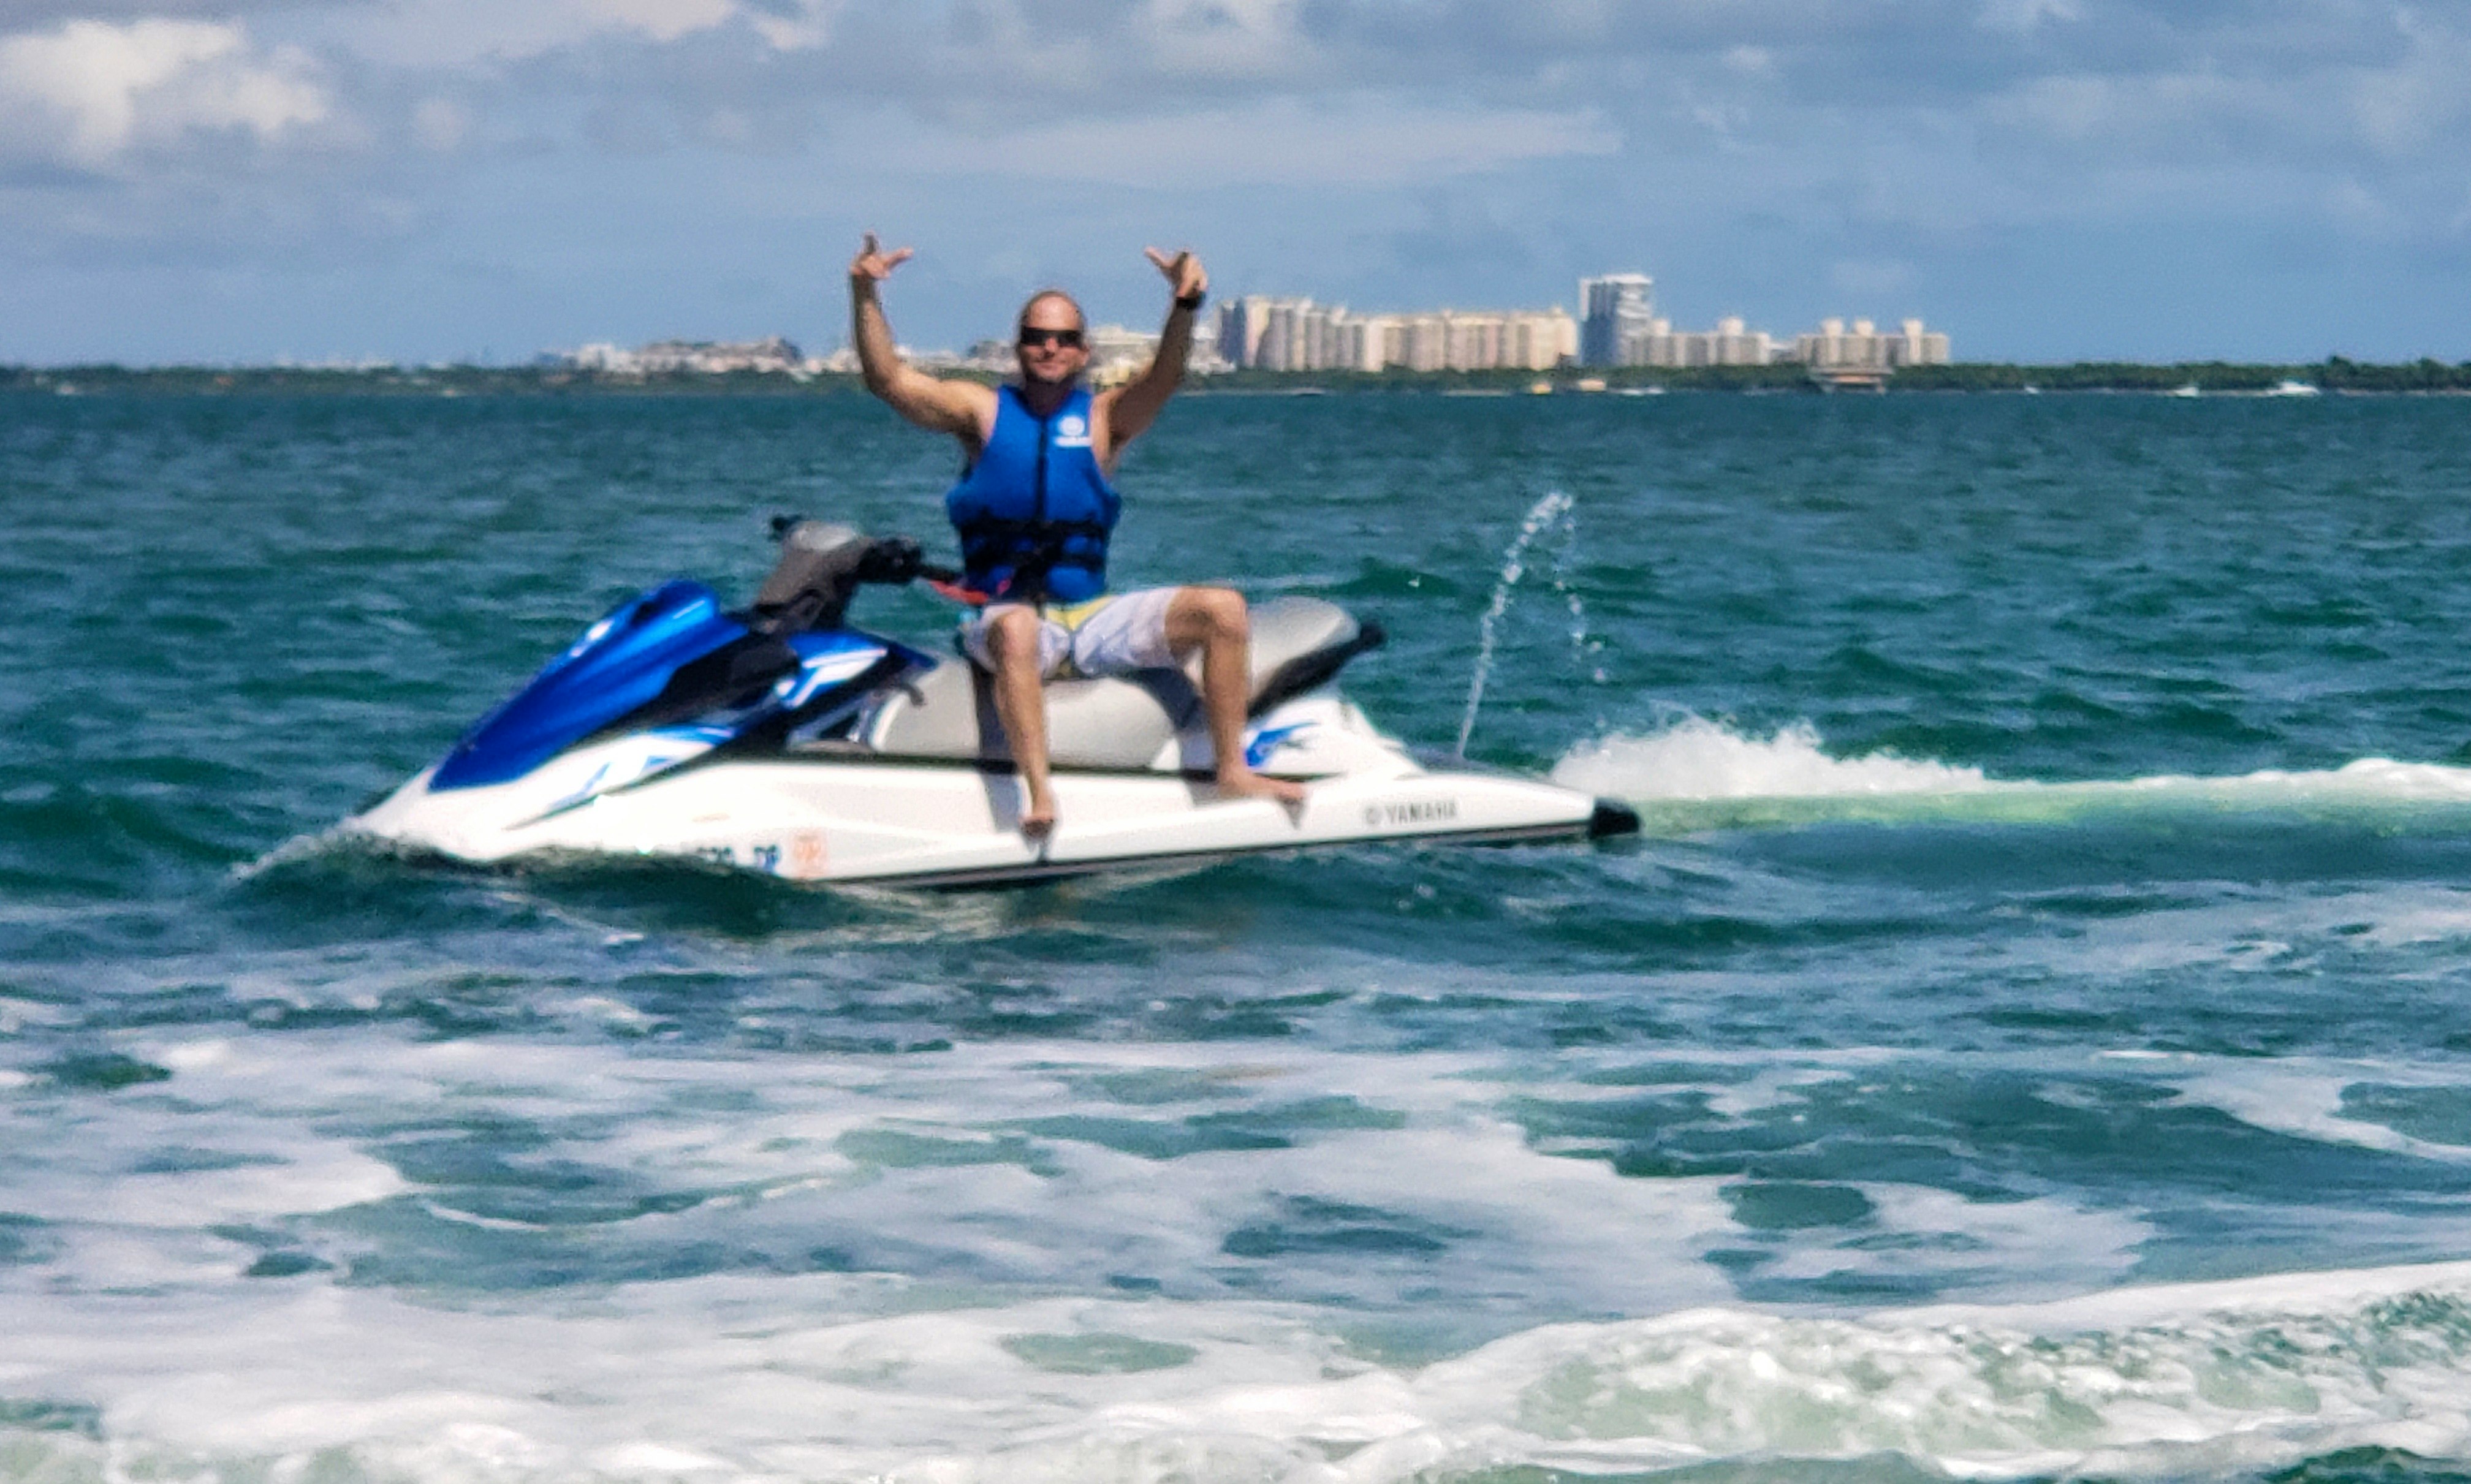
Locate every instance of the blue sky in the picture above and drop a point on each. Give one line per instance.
(434, 180)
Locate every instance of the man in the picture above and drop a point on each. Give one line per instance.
(1034, 508)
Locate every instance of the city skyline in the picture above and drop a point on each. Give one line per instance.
(443, 179)
(1618, 327)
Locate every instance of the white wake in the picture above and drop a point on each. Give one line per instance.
(1698, 770)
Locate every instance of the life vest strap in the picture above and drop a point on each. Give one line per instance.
(968, 597)
(1032, 548)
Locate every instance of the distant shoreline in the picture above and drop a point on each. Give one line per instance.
(2187, 378)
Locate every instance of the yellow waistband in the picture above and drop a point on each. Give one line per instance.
(1073, 615)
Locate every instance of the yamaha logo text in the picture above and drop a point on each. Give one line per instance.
(1414, 812)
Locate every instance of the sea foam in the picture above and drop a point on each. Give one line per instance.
(1699, 772)
(724, 1378)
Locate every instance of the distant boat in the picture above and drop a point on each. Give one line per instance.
(2185, 389)
(2295, 389)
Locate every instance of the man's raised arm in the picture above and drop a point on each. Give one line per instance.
(1138, 401)
(956, 408)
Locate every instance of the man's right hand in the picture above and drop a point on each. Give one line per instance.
(963, 409)
(874, 265)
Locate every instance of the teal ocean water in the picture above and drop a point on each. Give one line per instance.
(2031, 1038)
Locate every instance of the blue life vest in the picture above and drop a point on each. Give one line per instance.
(1034, 509)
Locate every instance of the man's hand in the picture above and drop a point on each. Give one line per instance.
(874, 265)
(963, 409)
(1183, 271)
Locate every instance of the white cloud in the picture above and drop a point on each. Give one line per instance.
(471, 36)
(803, 28)
(2421, 100)
(91, 91)
(2024, 16)
(1223, 37)
(663, 20)
(2171, 114)
(1363, 141)
(440, 122)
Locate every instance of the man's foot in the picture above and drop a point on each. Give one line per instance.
(1245, 784)
(1038, 818)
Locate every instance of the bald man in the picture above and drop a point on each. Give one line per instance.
(1035, 507)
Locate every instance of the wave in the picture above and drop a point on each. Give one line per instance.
(2326, 1373)
(1700, 773)
(2210, 1378)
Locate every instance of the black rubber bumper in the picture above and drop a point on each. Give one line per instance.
(1611, 817)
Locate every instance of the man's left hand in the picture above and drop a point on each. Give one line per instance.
(1184, 273)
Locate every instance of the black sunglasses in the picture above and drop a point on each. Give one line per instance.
(1070, 339)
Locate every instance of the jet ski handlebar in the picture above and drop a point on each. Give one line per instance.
(822, 567)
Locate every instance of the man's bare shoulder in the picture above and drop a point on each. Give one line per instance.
(979, 398)
(964, 408)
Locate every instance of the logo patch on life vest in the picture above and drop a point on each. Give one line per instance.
(1072, 431)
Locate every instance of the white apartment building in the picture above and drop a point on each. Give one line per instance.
(1298, 335)
(717, 358)
(710, 358)
(1117, 354)
(1240, 324)
(1834, 347)
(1729, 344)
(1614, 309)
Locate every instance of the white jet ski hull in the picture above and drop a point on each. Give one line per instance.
(820, 819)
(778, 740)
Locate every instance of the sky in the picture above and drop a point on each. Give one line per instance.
(242, 181)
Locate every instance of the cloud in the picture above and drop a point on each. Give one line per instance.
(2024, 16)
(1336, 145)
(1256, 38)
(662, 20)
(91, 91)
(1363, 141)
(472, 36)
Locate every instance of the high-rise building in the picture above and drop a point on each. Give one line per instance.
(1368, 343)
(1242, 322)
(1298, 335)
(1613, 309)
(1835, 348)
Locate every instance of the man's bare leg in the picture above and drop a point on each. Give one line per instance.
(1215, 620)
(1021, 705)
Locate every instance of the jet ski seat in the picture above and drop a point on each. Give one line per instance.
(1120, 721)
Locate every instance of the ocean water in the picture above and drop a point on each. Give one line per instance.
(2031, 1040)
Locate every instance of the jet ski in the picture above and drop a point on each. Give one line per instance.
(778, 740)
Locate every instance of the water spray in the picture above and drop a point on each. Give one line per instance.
(1551, 512)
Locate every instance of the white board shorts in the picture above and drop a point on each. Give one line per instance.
(1105, 636)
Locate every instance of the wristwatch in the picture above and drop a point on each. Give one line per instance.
(1192, 300)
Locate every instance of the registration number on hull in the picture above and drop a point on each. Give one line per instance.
(801, 857)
